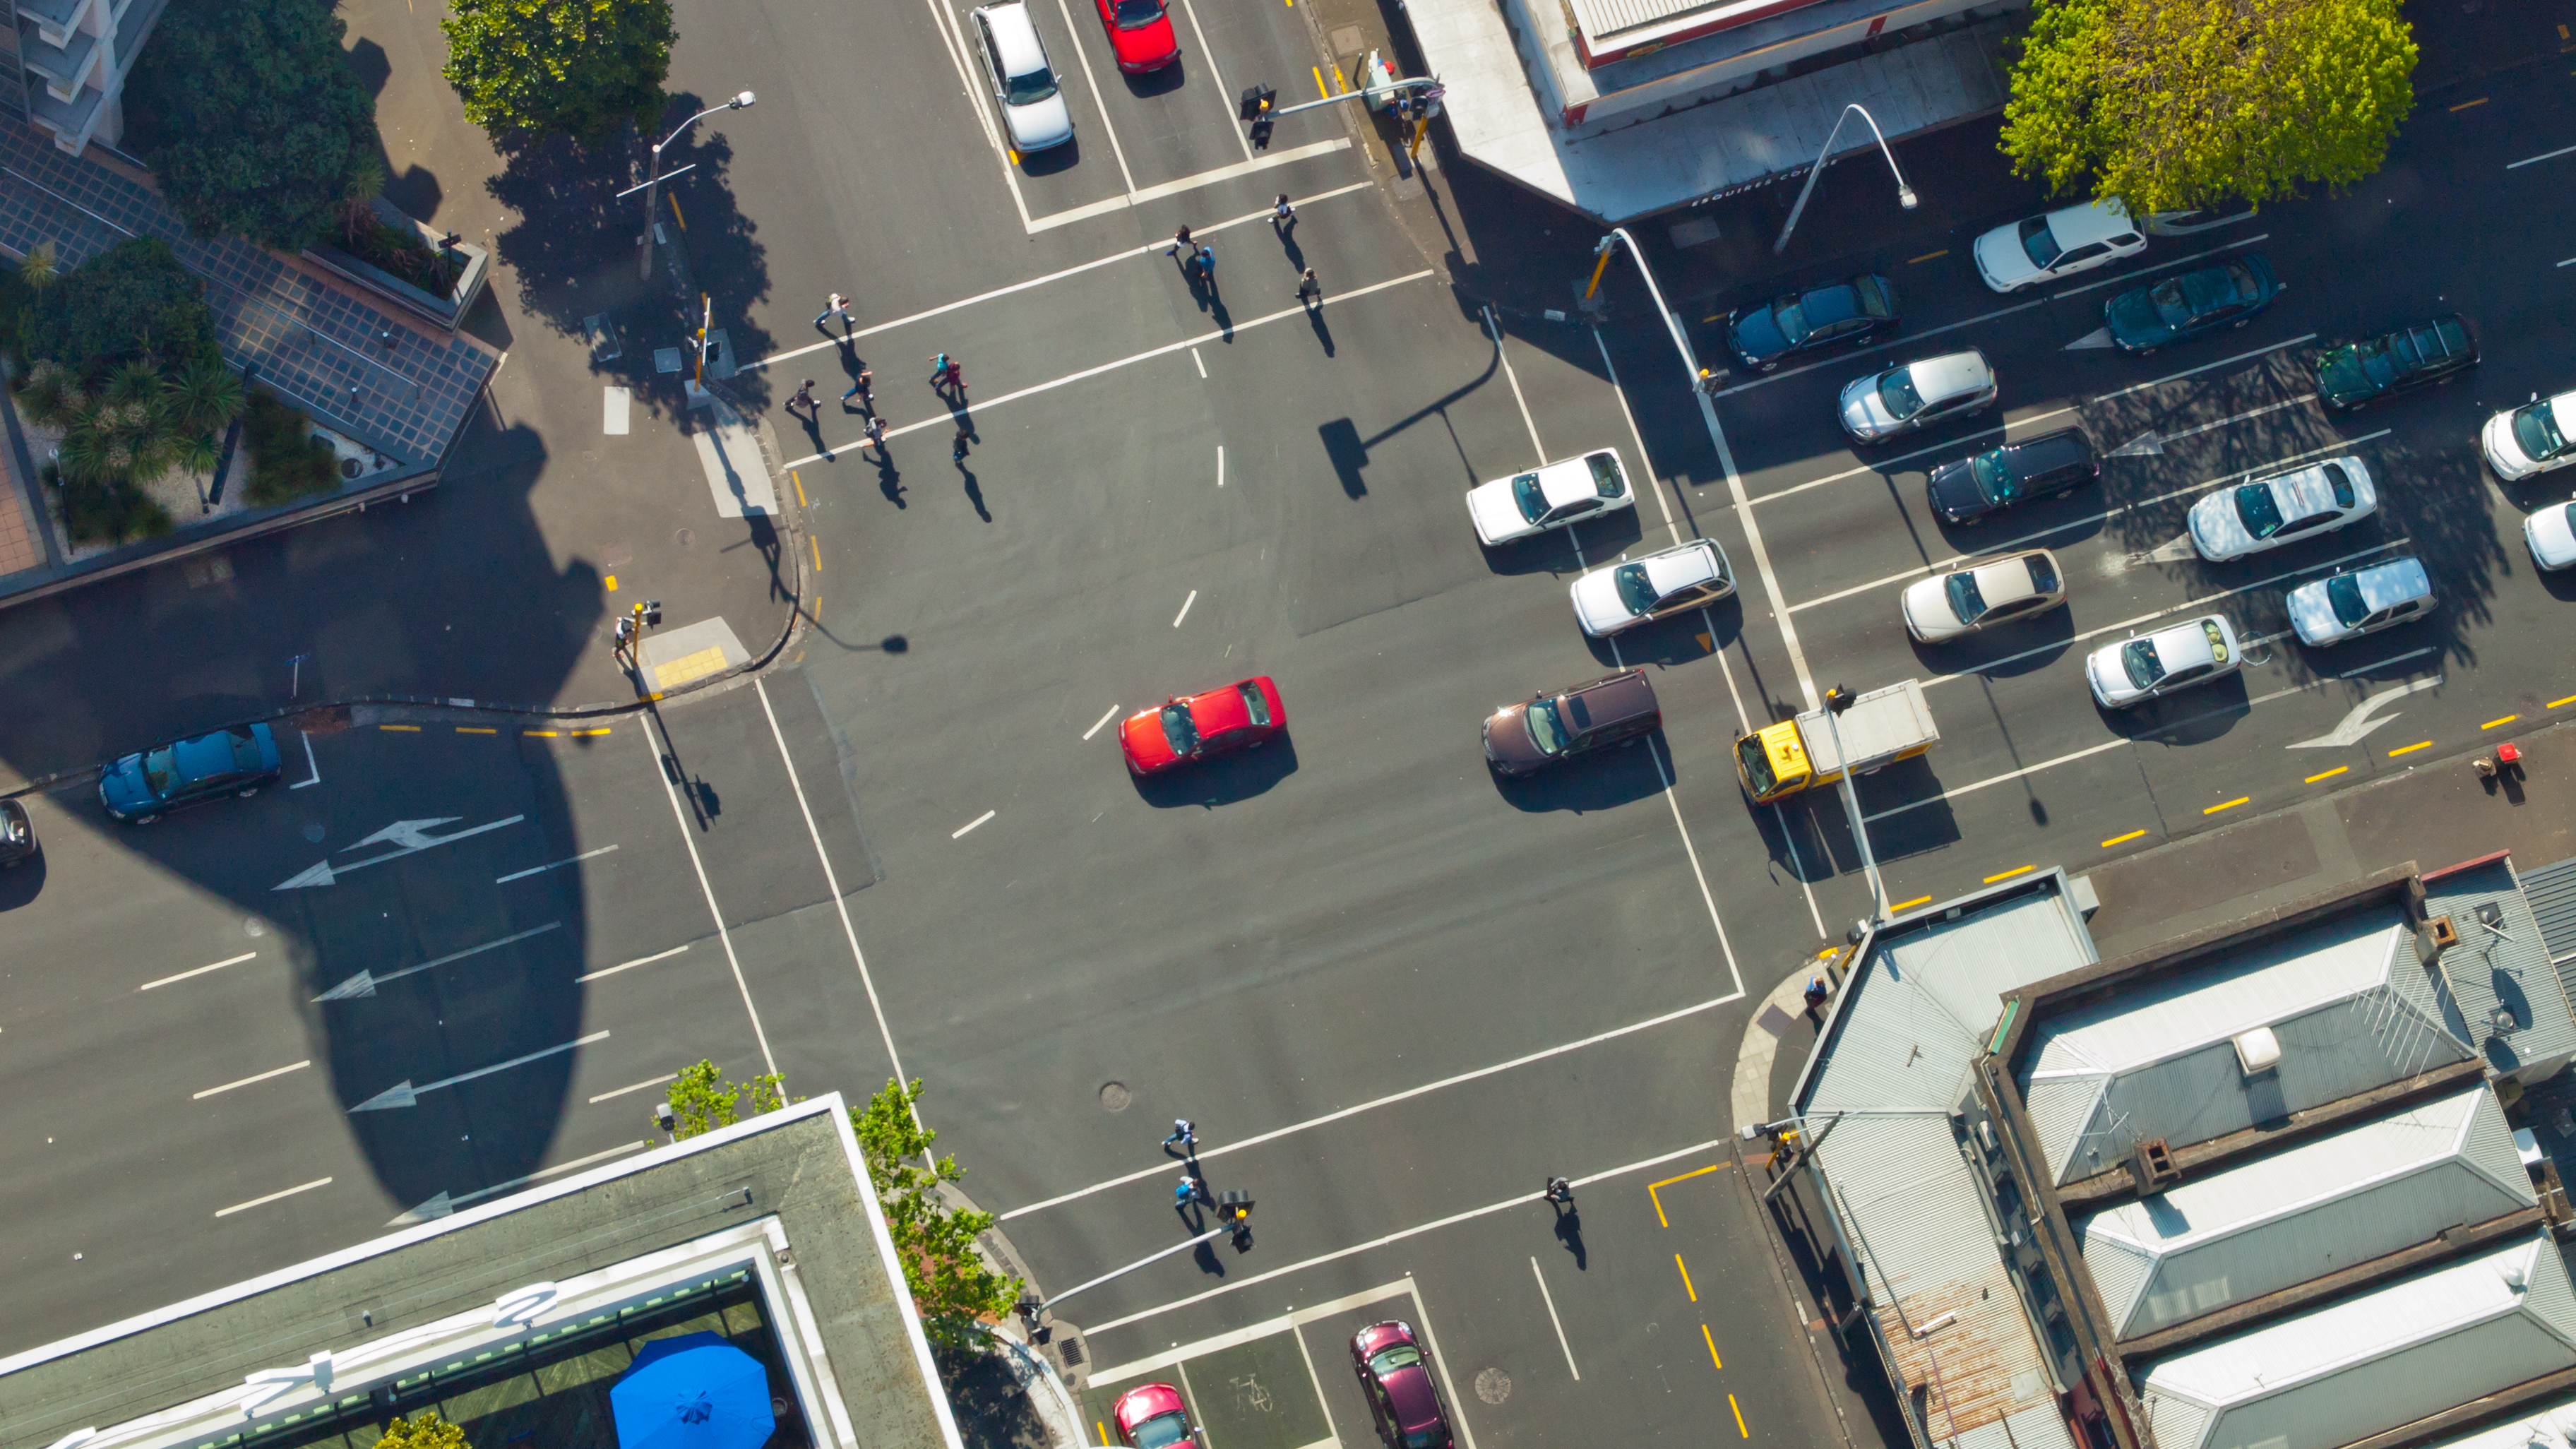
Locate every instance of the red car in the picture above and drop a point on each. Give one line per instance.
(1152, 1416)
(1395, 1378)
(1141, 32)
(1241, 716)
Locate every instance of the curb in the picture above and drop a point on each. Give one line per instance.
(1751, 1098)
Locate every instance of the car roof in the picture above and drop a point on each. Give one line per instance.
(1567, 479)
(1621, 696)
(1146, 1400)
(1015, 37)
(203, 756)
(1951, 374)
(2183, 645)
(2393, 582)
(2093, 221)
(1832, 302)
(2005, 580)
(2051, 450)
(2309, 488)
(1695, 562)
(1221, 708)
(2562, 411)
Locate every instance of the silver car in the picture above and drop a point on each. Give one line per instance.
(1916, 394)
(1667, 581)
(2283, 508)
(1964, 600)
(2148, 666)
(2360, 601)
(1015, 66)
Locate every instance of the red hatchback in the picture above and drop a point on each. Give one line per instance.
(1395, 1378)
(1141, 32)
(1241, 716)
(1152, 1416)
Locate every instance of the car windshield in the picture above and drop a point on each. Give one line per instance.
(1965, 600)
(1546, 730)
(1530, 497)
(1135, 14)
(160, 771)
(2141, 662)
(2043, 574)
(1028, 90)
(1255, 703)
(1757, 764)
(2217, 638)
(2344, 592)
(2350, 369)
(1896, 390)
(1636, 591)
(1179, 728)
(1427, 1437)
(1162, 1431)
(2038, 243)
(1790, 316)
(1387, 1360)
(1607, 480)
(1994, 478)
(2172, 308)
(2247, 289)
(2378, 364)
(2258, 510)
(2341, 483)
(2535, 431)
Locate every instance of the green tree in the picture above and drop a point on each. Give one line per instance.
(2171, 105)
(131, 302)
(580, 68)
(424, 1430)
(250, 117)
(951, 1284)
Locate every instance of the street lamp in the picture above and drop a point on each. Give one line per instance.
(653, 187)
(1904, 193)
(1838, 699)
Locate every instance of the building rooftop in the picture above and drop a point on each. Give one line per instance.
(2551, 1428)
(2506, 991)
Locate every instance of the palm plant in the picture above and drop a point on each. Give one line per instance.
(51, 394)
(39, 268)
(205, 396)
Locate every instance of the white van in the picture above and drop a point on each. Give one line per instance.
(1015, 65)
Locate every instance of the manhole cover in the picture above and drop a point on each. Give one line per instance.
(1493, 1386)
(253, 926)
(686, 537)
(1114, 1096)
(313, 832)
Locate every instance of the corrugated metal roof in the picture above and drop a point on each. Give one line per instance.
(2504, 967)
(2551, 1428)
(2349, 1002)
(2552, 890)
(2297, 1215)
(1602, 19)
(2371, 1362)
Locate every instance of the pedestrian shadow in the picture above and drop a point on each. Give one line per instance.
(1288, 244)
(1569, 1232)
(890, 482)
(1224, 319)
(974, 493)
(1209, 1263)
(813, 422)
(1323, 334)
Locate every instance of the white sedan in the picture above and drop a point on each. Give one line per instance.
(2360, 601)
(2532, 438)
(1667, 581)
(1963, 601)
(2284, 508)
(2147, 667)
(2062, 243)
(2552, 535)
(1558, 495)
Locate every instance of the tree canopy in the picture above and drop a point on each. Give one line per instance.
(248, 113)
(579, 68)
(424, 1430)
(131, 302)
(2172, 105)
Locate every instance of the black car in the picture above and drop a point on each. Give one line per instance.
(1760, 336)
(17, 835)
(2358, 372)
(1967, 489)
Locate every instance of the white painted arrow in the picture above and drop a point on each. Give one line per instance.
(2146, 444)
(2098, 337)
(2358, 724)
(404, 1094)
(412, 835)
(366, 982)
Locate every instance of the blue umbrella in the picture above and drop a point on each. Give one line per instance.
(693, 1391)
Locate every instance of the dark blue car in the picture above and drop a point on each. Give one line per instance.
(141, 787)
(1760, 336)
(2224, 294)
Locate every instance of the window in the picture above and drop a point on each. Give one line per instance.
(2535, 431)
(2038, 244)
(1896, 391)
(1607, 480)
(1545, 730)
(1136, 14)
(160, 771)
(2337, 479)
(1757, 765)
(2043, 573)
(1163, 1431)
(2258, 510)
(2139, 660)
(1179, 729)
(1255, 702)
(1029, 89)
(1966, 600)
(2217, 640)
(1531, 498)
(1791, 318)
(2343, 591)
(1635, 590)
(1387, 1360)
(1994, 476)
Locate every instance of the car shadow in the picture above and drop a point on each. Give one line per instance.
(1052, 161)
(2193, 717)
(1620, 775)
(1679, 639)
(1224, 779)
(23, 882)
(2024, 646)
(1160, 81)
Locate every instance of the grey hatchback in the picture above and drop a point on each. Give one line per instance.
(1553, 727)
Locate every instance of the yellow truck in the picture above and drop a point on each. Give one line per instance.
(1879, 729)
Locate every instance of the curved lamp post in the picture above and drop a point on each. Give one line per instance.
(1904, 193)
(653, 188)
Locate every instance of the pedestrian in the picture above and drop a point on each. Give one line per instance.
(1180, 239)
(864, 389)
(1205, 261)
(1308, 288)
(1281, 213)
(958, 452)
(837, 306)
(939, 365)
(1560, 1192)
(625, 637)
(1184, 1132)
(805, 396)
(1817, 995)
(875, 433)
(952, 379)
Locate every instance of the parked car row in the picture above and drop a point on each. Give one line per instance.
(1391, 1362)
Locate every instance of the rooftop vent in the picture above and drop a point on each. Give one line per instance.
(2442, 933)
(2152, 1167)
(2257, 1051)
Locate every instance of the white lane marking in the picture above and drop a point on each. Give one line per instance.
(1761, 555)
(1611, 369)
(1439, 1359)
(272, 1197)
(629, 965)
(1697, 874)
(366, 981)
(958, 47)
(313, 772)
(412, 836)
(200, 971)
(832, 882)
(2358, 723)
(1889, 465)
(1217, 1343)
(551, 865)
(960, 832)
(2384, 663)
(2162, 266)
(1104, 719)
(2194, 602)
(1202, 363)
(616, 407)
(661, 754)
(639, 1086)
(403, 1094)
(1185, 608)
(246, 1081)
(1124, 254)
(1517, 1200)
(1220, 463)
(1494, 330)
(1111, 131)
(2543, 156)
(2152, 441)
(1227, 172)
(1552, 1318)
(945, 420)
(2570, 262)
(2009, 545)
(1391, 1099)
(1332, 1431)
(1207, 57)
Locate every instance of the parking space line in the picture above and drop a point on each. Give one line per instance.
(1686, 1282)
(2106, 845)
(272, 1197)
(1550, 1300)
(663, 753)
(639, 1086)
(2325, 774)
(1314, 1379)
(552, 865)
(200, 971)
(1207, 57)
(1185, 608)
(960, 832)
(1494, 329)
(1104, 719)
(246, 1081)
(2384, 663)
(2543, 156)
(629, 965)
(2410, 749)
(1107, 127)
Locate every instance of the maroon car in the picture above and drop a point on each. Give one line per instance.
(1152, 1416)
(1395, 1377)
(1553, 727)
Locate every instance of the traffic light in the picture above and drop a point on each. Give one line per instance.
(649, 613)
(1838, 699)
(1254, 106)
(1234, 1205)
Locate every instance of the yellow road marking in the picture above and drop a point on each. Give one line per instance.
(1711, 1340)
(611, 581)
(1319, 81)
(2464, 105)
(1909, 905)
(1739, 1416)
(603, 729)
(2227, 805)
(2410, 749)
(818, 551)
(548, 734)
(2571, 699)
(2122, 839)
(1927, 256)
(2326, 774)
(475, 730)
(709, 660)
(674, 198)
(1667, 1182)
(1707, 643)
(2491, 724)
(406, 729)
(1103, 1428)
(1341, 87)
(2009, 874)
(1686, 1282)
(1014, 155)
(2562, 32)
